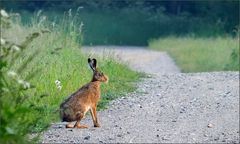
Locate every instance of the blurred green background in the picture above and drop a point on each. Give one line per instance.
(124, 22)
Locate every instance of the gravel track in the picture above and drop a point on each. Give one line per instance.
(167, 107)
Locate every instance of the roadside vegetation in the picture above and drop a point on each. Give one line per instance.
(201, 54)
(42, 64)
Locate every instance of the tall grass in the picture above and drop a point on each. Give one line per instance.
(56, 56)
(201, 54)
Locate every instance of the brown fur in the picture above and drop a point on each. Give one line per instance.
(86, 98)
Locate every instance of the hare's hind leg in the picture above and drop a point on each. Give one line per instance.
(80, 115)
(93, 111)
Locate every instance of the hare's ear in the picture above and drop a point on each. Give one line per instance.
(90, 62)
(94, 63)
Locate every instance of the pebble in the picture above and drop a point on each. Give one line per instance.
(87, 138)
(216, 139)
(210, 125)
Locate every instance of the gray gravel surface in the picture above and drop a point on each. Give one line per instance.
(167, 107)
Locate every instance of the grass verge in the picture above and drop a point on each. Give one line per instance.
(201, 54)
(54, 55)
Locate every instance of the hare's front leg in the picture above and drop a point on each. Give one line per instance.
(93, 111)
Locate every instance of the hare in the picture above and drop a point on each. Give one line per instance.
(86, 98)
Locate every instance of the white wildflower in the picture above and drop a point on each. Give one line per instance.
(20, 81)
(11, 74)
(15, 48)
(57, 82)
(25, 84)
(4, 14)
(3, 42)
(59, 87)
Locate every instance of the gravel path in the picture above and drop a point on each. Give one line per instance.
(167, 107)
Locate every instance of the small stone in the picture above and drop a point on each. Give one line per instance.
(217, 138)
(140, 106)
(87, 138)
(211, 88)
(119, 135)
(210, 125)
(128, 132)
(228, 92)
(158, 94)
(157, 135)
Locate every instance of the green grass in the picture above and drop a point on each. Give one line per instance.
(201, 54)
(59, 57)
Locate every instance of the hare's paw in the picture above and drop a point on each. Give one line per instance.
(80, 126)
(97, 125)
(69, 125)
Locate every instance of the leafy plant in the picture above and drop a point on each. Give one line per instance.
(15, 109)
